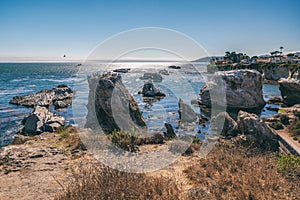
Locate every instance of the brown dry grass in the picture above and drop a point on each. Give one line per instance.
(230, 171)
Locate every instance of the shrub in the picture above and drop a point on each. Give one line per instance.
(295, 128)
(284, 119)
(288, 163)
(276, 125)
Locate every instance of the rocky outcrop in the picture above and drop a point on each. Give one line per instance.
(122, 70)
(290, 91)
(174, 67)
(156, 77)
(251, 125)
(186, 113)
(149, 90)
(238, 89)
(224, 124)
(164, 72)
(170, 133)
(41, 120)
(275, 72)
(60, 96)
(110, 105)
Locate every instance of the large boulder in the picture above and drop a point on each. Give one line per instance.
(111, 106)
(224, 124)
(41, 120)
(149, 90)
(251, 124)
(186, 113)
(290, 91)
(60, 96)
(156, 77)
(275, 72)
(237, 89)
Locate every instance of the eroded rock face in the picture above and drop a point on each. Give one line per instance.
(237, 89)
(276, 72)
(149, 90)
(251, 124)
(41, 120)
(60, 96)
(110, 105)
(290, 91)
(224, 125)
(186, 113)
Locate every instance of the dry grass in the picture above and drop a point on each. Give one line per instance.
(230, 171)
(101, 182)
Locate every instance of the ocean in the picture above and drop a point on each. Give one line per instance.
(29, 78)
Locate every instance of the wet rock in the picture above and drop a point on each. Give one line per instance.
(111, 106)
(186, 113)
(164, 72)
(251, 124)
(149, 90)
(275, 100)
(224, 125)
(174, 67)
(123, 70)
(41, 120)
(61, 96)
(290, 91)
(237, 89)
(156, 77)
(170, 133)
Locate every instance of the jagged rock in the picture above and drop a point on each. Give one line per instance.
(251, 124)
(224, 124)
(186, 113)
(164, 72)
(149, 90)
(61, 96)
(290, 91)
(170, 133)
(110, 105)
(41, 120)
(238, 89)
(275, 72)
(156, 77)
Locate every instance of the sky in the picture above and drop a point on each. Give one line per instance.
(48, 29)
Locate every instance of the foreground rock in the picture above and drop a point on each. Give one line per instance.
(251, 125)
(224, 125)
(238, 89)
(60, 96)
(186, 113)
(156, 77)
(41, 120)
(149, 90)
(290, 91)
(111, 106)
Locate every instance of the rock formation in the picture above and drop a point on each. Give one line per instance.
(60, 96)
(238, 89)
(224, 124)
(41, 120)
(170, 133)
(156, 77)
(149, 90)
(252, 125)
(274, 72)
(111, 106)
(186, 113)
(290, 91)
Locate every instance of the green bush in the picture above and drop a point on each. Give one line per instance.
(288, 163)
(284, 119)
(295, 128)
(276, 125)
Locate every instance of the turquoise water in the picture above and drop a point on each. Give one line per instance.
(28, 78)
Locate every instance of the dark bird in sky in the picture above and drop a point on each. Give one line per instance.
(65, 55)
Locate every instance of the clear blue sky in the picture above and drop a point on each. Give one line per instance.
(49, 28)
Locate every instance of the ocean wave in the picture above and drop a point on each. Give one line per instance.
(66, 80)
